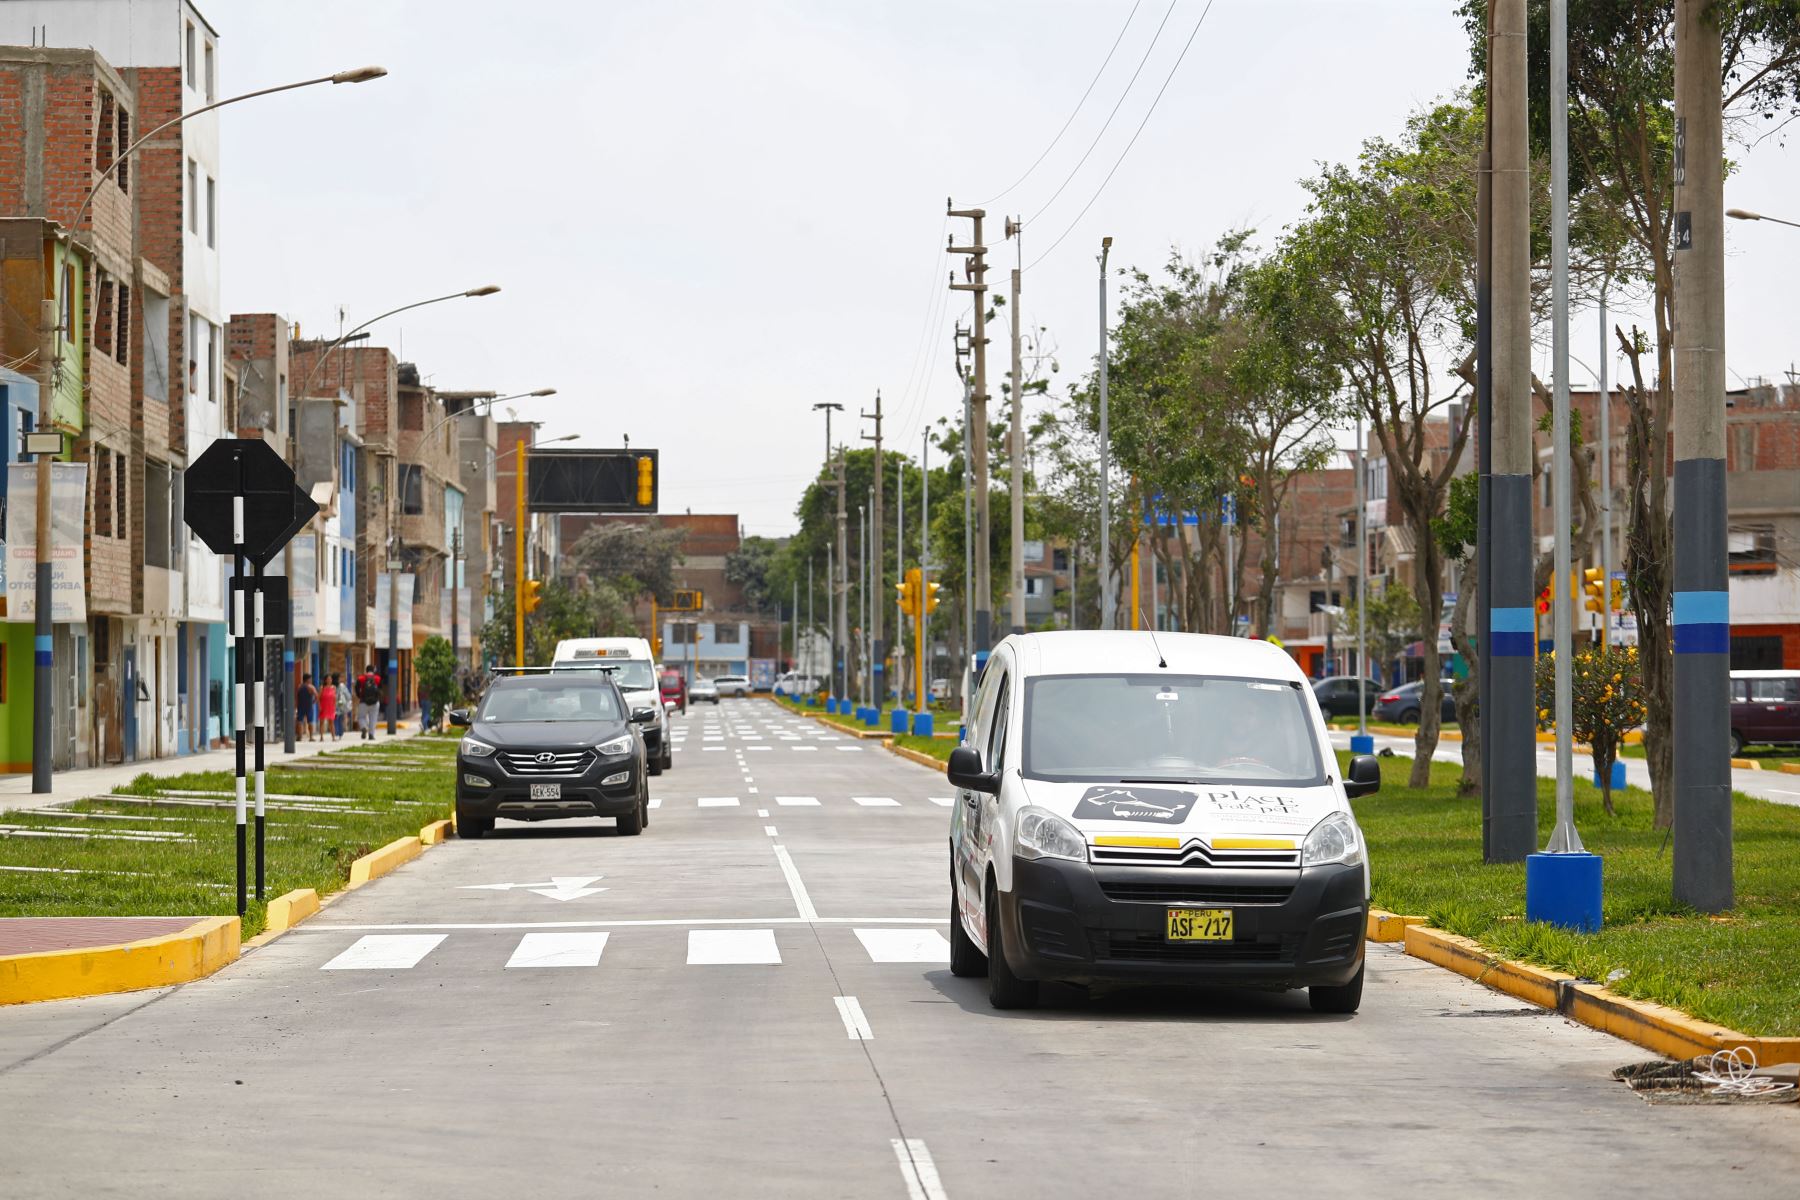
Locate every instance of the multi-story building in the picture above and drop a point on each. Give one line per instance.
(428, 501)
(473, 556)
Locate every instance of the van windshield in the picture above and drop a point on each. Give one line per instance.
(1169, 728)
(633, 674)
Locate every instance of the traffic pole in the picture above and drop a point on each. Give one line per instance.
(44, 638)
(259, 706)
(1016, 443)
(240, 632)
(1106, 584)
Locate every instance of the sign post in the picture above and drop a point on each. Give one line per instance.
(241, 499)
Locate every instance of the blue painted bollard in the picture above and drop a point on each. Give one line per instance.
(897, 721)
(1362, 743)
(921, 724)
(831, 704)
(1618, 775)
(1563, 890)
(872, 717)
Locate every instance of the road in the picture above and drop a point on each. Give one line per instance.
(751, 999)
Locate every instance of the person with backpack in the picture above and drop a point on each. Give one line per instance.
(368, 701)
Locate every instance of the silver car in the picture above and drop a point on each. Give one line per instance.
(702, 689)
(732, 685)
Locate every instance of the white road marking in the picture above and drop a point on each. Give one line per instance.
(762, 812)
(804, 749)
(712, 747)
(876, 801)
(851, 749)
(560, 887)
(770, 830)
(385, 952)
(917, 1169)
(904, 945)
(558, 950)
(762, 747)
(798, 801)
(727, 947)
(718, 801)
(752, 790)
(941, 801)
(656, 802)
(802, 902)
(309, 927)
(855, 1024)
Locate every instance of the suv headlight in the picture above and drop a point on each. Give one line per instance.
(1333, 840)
(1043, 834)
(618, 745)
(475, 749)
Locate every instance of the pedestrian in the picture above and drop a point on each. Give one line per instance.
(424, 708)
(368, 700)
(344, 703)
(328, 713)
(306, 702)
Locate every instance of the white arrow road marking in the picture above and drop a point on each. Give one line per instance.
(917, 1169)
(904, 945)
(558, 950)
(560, 887)
(855, 1024)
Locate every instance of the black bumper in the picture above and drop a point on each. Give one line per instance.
(1078, 923)
(582, 795)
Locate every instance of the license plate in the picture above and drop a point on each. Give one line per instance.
(1199, 925)
(553, 791)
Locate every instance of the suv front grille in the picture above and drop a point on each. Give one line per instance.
(548, 762)
(1196, 892)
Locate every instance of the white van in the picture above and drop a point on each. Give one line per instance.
(629, 661)
(1154, 808)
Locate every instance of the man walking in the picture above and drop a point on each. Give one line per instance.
(368, 701)
(306, 701)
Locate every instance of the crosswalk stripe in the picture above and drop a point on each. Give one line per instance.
(558, 950)
(798, 801)
(904, 945)
(730, 947)
(718, 801)
(805, 748)
(855, 1023)
(385, 952)
(941, 801)
(851, 749)
(876, 801)
(656, 802)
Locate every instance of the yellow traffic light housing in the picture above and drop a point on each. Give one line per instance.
(646, 480)
(931, 596)
(1618, 595)
(534, 595)
(1593, 582)
(908, 591)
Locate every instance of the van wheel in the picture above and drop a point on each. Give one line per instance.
(653, 765)
(1005, 990)
(1737, 744)
(1344, 998)
(966, 959)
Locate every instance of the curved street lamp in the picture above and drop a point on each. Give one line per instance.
(1744, 214)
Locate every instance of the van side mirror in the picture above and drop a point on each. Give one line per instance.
(644, 716)
(965, 772)
(459, 717)
(1363, 777)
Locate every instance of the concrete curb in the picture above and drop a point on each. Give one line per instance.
(1790, 768)
(1746, 764)
(435, 833)
(920, 757)
(1385, 926)
(285, 912)
(192, 953)
(1655, 1027)
(375, 864)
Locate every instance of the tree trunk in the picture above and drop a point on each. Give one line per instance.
(1649, 571)
(1468, 689)
(1428, 587)
(1271, 554)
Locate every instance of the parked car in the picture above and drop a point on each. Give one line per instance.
(1765, 709)
(703, 689)
(1337, 694)
(795, 684)
(732, 685)
(1403, 704)
(674, 689)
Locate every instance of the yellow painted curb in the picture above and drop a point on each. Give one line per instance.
(1653, 1026)
(919, 756)
(192, 953)
(1746, 764)
(1790, 768)
(434, 833)
(1389, 927)
(379, 862)
(285, 912)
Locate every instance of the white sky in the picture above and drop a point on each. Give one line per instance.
(708, 216)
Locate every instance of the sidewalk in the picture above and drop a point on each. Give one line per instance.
(65, 786)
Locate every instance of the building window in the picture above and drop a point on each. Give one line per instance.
(104, 129)
(102, 335)
(121, 493)
(122, 343)
(1751, 550)
(212, 212)
(103, 486)
(214, 385)
(122, 124)
(725, 635)
(190, 55)
(193, 191)
(412, 489)
(68, 300)
(209, 72)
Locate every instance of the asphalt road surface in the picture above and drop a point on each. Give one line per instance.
(752, 999)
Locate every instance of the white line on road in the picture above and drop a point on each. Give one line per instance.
(731, 947)
(855, 1024)
(917, 1169)
(876, 801)
(310, 927)
(850, 749)
(385, 952)
(656, 802)
(718, 801)
(712, 747)
(770, 830)
(802, 902)
(558, 950)
(941, 801)
(904, 945)
(801, 801)
(762, 812)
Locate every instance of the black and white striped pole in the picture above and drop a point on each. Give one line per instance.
(241, 646)
(259, 654)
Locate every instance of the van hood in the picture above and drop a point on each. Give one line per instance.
(1206, 811)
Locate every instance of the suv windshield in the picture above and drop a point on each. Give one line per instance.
(551, 700)
(1169, 728)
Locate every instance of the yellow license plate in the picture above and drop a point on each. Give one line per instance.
(1199, 925)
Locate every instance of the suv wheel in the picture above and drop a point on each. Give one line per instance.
(1409, 717)
(471, 827)
(632, 823)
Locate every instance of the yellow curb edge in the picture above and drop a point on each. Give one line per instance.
(172, 958)
(434, 833)
(1790, 768)
(1385, 926)
(286, 911)
(1746, 764)
(376, 863)
(920, 757)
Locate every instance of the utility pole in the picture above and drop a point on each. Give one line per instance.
(835, 585)
(1606, 551)
(1106, 585)
(899, 575)
(842, 584)
(455, 594)
(923, 642)
(1703, 866)
(811, 625)
(981, 589)
(1015, 446)
(43, 703)
(877, 665)
(1509, 831)
(965, 683)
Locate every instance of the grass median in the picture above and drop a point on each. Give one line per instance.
(150, 850)
(1741, 969)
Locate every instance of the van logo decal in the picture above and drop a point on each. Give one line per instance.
(1156, 806)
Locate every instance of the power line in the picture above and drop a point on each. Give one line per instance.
(1128, 145)
(1132, 82)
(1073, 114)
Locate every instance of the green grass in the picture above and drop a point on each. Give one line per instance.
(1741, 970)
(198, 877)
(1772, 758)
(939, 748)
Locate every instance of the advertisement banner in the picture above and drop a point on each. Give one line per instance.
(303, 588)
(462, 614)
(384, 589)
(68, 560)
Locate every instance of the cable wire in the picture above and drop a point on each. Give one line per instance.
(1132, 82)
(1073, 114)
(1128, 145)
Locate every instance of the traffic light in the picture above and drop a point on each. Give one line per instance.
(646, 480)
(1618, 595)
(1593, 582)
(1543, 601)
(931, 596)
(908, 590)
(534, 595)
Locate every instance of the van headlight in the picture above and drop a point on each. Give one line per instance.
(1043, 834)
(618, 745)
(1333, 840)
(475, 749)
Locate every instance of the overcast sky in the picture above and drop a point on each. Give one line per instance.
(709, 216)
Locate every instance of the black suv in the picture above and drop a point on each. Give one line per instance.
(542, 747)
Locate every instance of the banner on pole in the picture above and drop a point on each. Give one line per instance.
(384, 589)
(68, 558)
(462, 614)
(304, 588)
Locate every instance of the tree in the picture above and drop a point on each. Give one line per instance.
(749, 567)
(565, 610)
(634, 559)
(437, 672)
(1455, 533)
(1392, 623)
(1607, 702)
